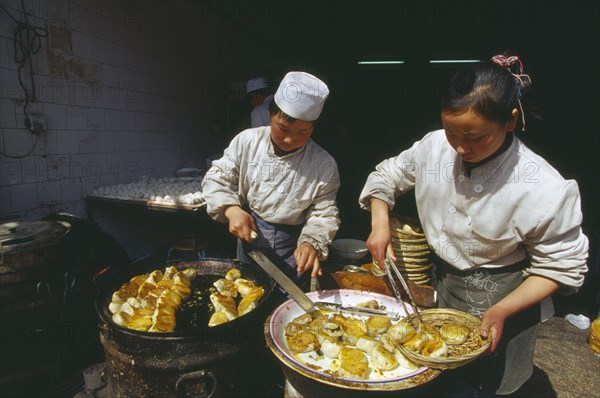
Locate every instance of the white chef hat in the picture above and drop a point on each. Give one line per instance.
(301, 96)
(256, 84)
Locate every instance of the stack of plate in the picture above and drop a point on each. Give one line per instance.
(413, 256)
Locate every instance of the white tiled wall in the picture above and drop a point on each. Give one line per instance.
(120, 87)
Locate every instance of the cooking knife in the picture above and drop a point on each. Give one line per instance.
(284, 281)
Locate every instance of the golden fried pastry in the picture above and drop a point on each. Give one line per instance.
(454, 334)
(330, 349)
(401, 332)
(366, 344)
(224, 304)
(372, 304)
(353, 363)
(248, 303)
(169, 273)
(377, 325)
(244, 286)
(305, 341)
(435, 348)
(217, 318)
(226, 287)
(353, 329)
(383, 359)
(233, 274)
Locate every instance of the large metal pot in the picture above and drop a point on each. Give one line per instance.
(312, 379)
(162, 364)
(32, 318)
(29, 249)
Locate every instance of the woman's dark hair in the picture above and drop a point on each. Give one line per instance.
(491, 91)
(275, 110)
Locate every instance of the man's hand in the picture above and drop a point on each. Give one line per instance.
(241, 224)
(306, 257)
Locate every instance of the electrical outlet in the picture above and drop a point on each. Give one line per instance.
(36, 123)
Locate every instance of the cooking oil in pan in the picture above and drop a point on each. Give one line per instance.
(196, 310)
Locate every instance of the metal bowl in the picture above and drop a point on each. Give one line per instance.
(349, 249)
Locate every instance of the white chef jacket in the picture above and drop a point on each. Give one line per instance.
(260, 115)
(297, 188)
(512, 207)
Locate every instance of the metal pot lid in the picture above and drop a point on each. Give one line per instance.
(19, 236)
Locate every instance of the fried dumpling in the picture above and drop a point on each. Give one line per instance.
(401, 332)
(454, 334)
(166, 283)
(305, 341)
(190, 273)
(435, 348)
(181, 279)
(387, 342)
(170, 298)
(139, 322)
(383, 359)
(224, 304)
(217, 318)
(244, 286)
(330, 349)
(303, 319)
(353, 329)
(121, 318)
(366, 344)
(114, 307)
(169, 273)
(417, 342)
(226, 287)
(372, 304)
(129, 289)
(233, 274)
(353, 363)
(248, 303)
(331, 327)
(292, 329)
(377, 325)
(182, 290)
(162, 322)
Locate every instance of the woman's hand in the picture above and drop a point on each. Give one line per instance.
(241, 224)
(379, 241)
(492, 324)
(533, 290)
(306, 257)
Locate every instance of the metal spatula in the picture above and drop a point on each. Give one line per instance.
(302, 299)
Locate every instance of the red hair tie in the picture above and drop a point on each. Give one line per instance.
(507, 62)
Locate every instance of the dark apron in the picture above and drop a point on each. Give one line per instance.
(475, 291)
(278, 242)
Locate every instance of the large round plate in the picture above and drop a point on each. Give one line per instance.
(315, 366)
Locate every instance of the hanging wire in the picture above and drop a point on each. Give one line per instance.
(27, 40)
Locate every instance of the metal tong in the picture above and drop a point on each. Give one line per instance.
(389, 263)
(363, 311)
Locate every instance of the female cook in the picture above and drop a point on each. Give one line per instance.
(503, 222)
(286, 181)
